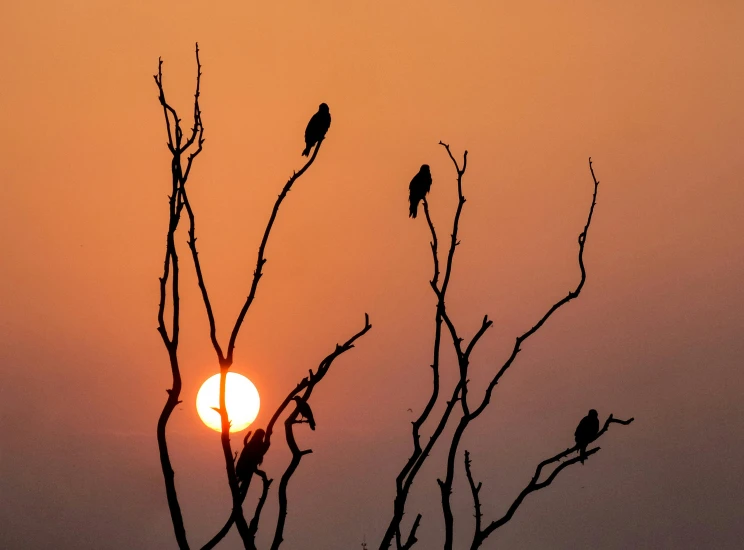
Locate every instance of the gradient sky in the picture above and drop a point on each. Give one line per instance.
(651, 90)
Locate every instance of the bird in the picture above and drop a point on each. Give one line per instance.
(252, 454)
(305, 411)
(419, 187)
(586, 432)
(317, 128)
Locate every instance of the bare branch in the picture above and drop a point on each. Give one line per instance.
(570, 296)
(308, 384)
(405, 478)
(412, 535)
(536, 485)
(171, 271)
(474, 490)
(261, 501)
(261, 249)
(460, 203)
(446, 485)
(200, 277)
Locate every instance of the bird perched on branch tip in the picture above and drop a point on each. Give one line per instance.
(419, 187)
(317, 128)
(586, 432)
(305, 411)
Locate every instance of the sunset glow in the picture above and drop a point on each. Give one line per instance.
(241, 398)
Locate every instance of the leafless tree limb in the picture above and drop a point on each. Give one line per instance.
(405, 479)
(171, 270)
(534, 485)
(307, 384)
(474, 490)
(226, 361)
(261, 250)
(446, 485)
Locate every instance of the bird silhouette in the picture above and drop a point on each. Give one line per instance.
(419, 187)
(252, 454)
(317, 128)
(586, 432)
(305, 411)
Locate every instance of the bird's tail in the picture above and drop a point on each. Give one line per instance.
(582, 454)
(306, 152)
(414, 209)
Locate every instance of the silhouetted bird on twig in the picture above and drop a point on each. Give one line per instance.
(420, 185)
(317, 128)
(586, 432)
(252, 455)
(305, 411)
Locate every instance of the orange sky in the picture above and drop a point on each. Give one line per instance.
(652, 91)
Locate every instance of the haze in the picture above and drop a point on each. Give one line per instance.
(652, 91)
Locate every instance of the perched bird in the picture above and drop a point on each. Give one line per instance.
(586, 432)
(305, 411)
(420, 185)
(252, 455)
(317, 128)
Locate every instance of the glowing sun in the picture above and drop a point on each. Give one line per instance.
(241, 398)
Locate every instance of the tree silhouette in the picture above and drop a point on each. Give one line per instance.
(460, 392)
(241, 465)
(178, 146)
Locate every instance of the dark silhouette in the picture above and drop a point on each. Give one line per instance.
(184, 147)
(460, 396)
(586, 432)
(252, 455)
(317, 128)
(305, 411)
(419, 187)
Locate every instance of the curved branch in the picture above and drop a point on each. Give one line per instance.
(536, 485)
(460, 203)
(261, 249)
(297, 454)
(446, 485)
(570, 296)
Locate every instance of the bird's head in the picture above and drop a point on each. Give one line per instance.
(593, 413)
(425, 168)
(259, 435)
(323, 107)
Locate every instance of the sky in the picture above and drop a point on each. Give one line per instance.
(651, 91)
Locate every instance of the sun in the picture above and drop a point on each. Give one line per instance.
(241, 398)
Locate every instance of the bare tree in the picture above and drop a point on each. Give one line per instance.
(178, 147)
(460, 393)
(184, 148)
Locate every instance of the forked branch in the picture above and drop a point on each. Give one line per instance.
(306, 386)
(446, 485)
(534, 484)
(171, 271)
